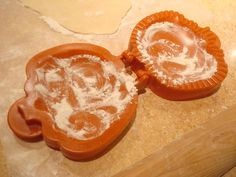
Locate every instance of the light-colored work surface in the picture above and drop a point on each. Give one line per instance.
(83, 16)
(158, 121)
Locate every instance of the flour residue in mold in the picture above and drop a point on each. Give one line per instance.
(84, 94)
(176, 54)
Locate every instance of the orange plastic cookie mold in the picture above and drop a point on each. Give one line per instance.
(175, 58)
(79, 98)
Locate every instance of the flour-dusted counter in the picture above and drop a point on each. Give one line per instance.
(158, 121)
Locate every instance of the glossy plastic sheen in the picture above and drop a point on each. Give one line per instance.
(145, 72)
(30, 120)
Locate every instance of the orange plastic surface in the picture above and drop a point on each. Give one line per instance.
(29, 117)
(145, 72)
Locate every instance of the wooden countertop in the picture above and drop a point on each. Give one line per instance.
(23, 34)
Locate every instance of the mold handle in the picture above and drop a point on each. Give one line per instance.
(29, 112)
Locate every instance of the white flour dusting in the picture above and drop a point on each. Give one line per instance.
(98, 88)
(57, 27)
(181, 58)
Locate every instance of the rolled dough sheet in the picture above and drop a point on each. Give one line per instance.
(83, 16)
